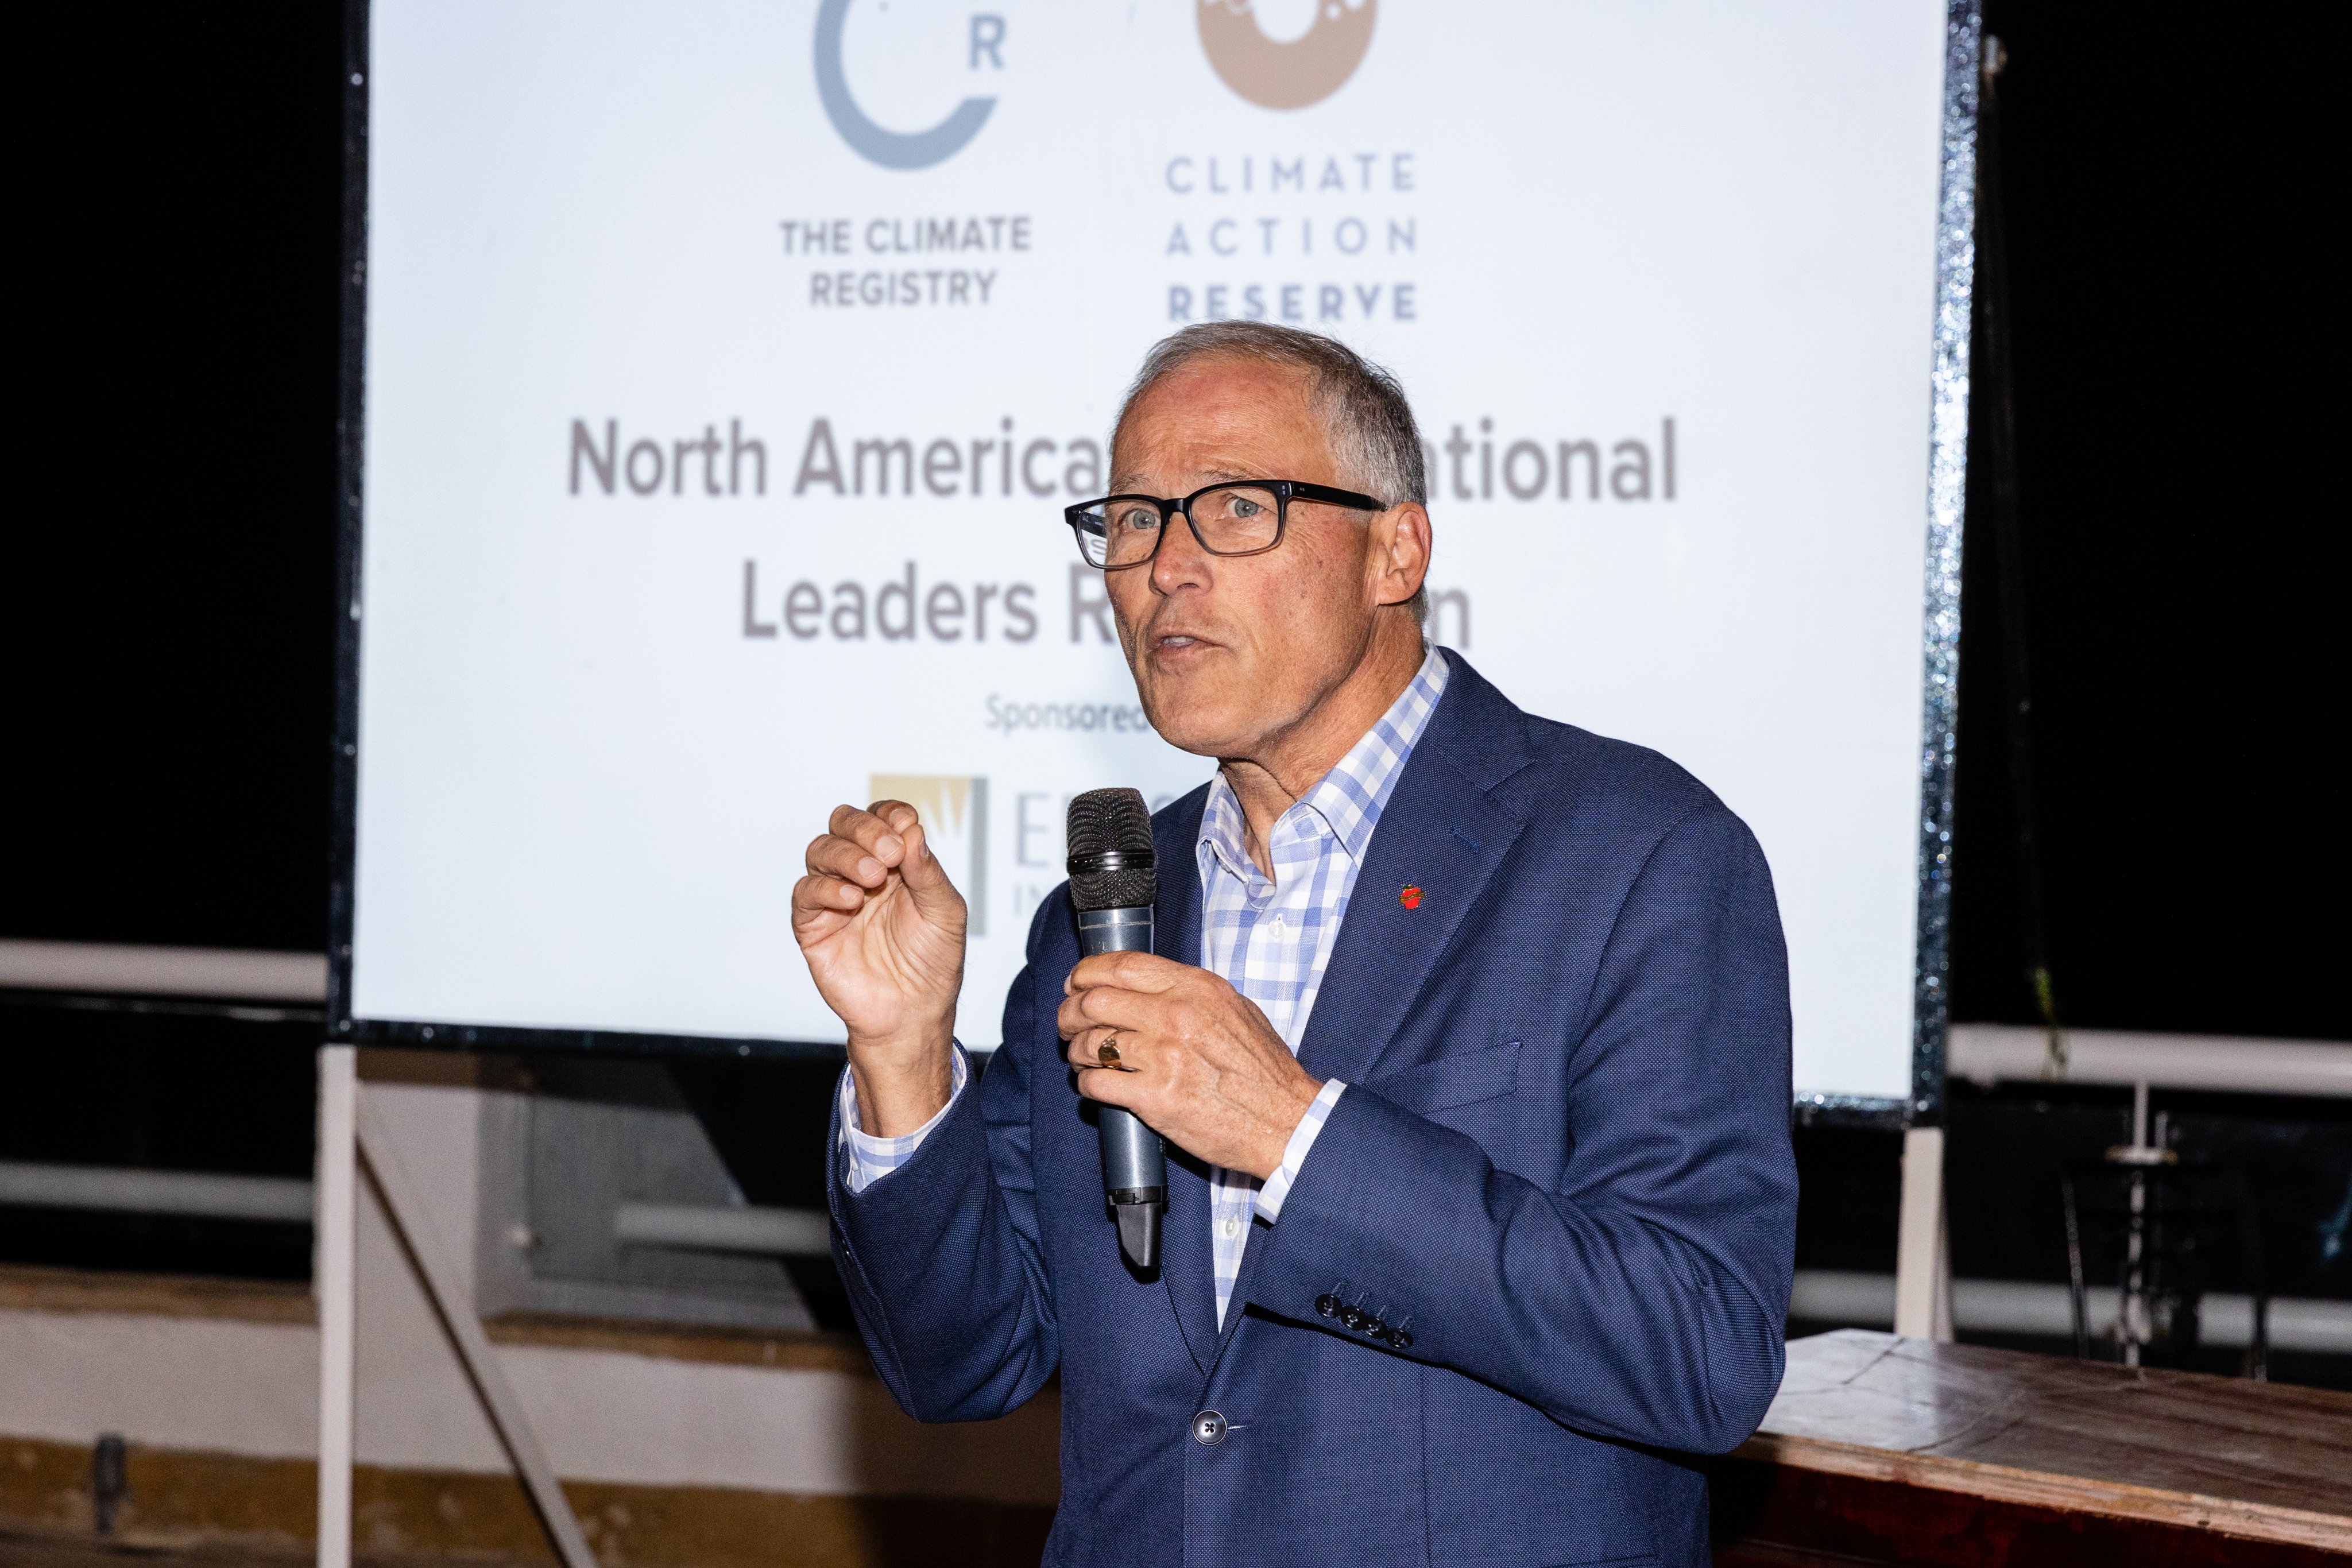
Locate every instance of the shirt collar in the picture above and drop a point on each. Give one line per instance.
(1346, 802)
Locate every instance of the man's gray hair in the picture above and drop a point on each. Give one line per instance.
(1367, 421)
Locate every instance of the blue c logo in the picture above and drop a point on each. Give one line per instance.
(894, 149)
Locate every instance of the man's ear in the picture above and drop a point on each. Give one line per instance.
(1399, 553)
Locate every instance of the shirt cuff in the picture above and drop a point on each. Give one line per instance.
(1294, 1154)
(870, 1158)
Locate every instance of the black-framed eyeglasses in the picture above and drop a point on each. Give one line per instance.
(1240, 518)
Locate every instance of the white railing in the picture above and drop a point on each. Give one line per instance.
(198, 1193)
(2025, 1307)
(703, 1227)
(1992, 1053)
(110, 968)
(769, 1232)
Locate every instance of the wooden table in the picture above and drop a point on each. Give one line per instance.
(1881, 1449)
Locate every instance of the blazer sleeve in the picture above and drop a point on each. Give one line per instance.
(1646, 1297)
(940, 1258)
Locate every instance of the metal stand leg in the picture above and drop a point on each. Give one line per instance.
(465, 1331)
(335, 1269)
(1923, 1259)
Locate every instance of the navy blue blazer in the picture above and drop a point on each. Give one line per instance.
(1562, 1166)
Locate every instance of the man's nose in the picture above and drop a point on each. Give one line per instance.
(1180, 561)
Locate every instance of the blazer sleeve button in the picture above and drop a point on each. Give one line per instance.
(1327, 1305)
(1400, 1339)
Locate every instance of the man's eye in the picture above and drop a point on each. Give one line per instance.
(1137, 519)
(1243, 507)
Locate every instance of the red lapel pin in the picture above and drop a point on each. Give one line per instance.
(1411, 896)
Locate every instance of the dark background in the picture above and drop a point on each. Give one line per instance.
(167, 594)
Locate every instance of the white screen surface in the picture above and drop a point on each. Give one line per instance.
(635, 601)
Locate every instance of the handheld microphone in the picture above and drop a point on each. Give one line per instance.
(1112, 886)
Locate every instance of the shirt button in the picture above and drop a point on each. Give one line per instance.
(1232, 1228)
(1208, 1429)
(1278, 927)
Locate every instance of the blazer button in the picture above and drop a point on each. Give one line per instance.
(1400, 1339)
(1377, 1329)
(1327, 1306)
(1208, 1429)
(1353, 1318)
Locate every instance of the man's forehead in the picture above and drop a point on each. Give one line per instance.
(1214, 421)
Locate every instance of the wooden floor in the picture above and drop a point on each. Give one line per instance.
(1904, 1451)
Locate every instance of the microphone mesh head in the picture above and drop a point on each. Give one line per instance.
(1109, 822)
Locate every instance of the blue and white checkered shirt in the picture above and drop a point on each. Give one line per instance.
(1270, 937)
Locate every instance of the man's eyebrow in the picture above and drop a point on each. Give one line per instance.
(1122, 484)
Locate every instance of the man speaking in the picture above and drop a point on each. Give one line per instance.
(1467, 1033)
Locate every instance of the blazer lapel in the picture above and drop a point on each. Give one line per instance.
(1440, 833)
(1187, 1263)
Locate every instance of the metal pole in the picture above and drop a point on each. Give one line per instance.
(1923, 1273)
(335, 1283)
(1995, 453)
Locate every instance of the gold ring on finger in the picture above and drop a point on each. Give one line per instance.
(1107, 1052)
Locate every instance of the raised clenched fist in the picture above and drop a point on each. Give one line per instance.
(883, 931)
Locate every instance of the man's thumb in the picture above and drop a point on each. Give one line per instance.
(925, 877)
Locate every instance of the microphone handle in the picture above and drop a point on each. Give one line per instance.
(1135, 1160)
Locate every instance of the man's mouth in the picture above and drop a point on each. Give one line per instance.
(1179, 641)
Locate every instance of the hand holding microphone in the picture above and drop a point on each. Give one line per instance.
(1196, 1058)
(1167, 1049)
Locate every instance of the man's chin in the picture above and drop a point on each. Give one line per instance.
(1203, 723)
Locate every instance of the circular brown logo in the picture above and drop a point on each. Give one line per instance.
(1275, 72)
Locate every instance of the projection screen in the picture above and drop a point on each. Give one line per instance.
(725, 368)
